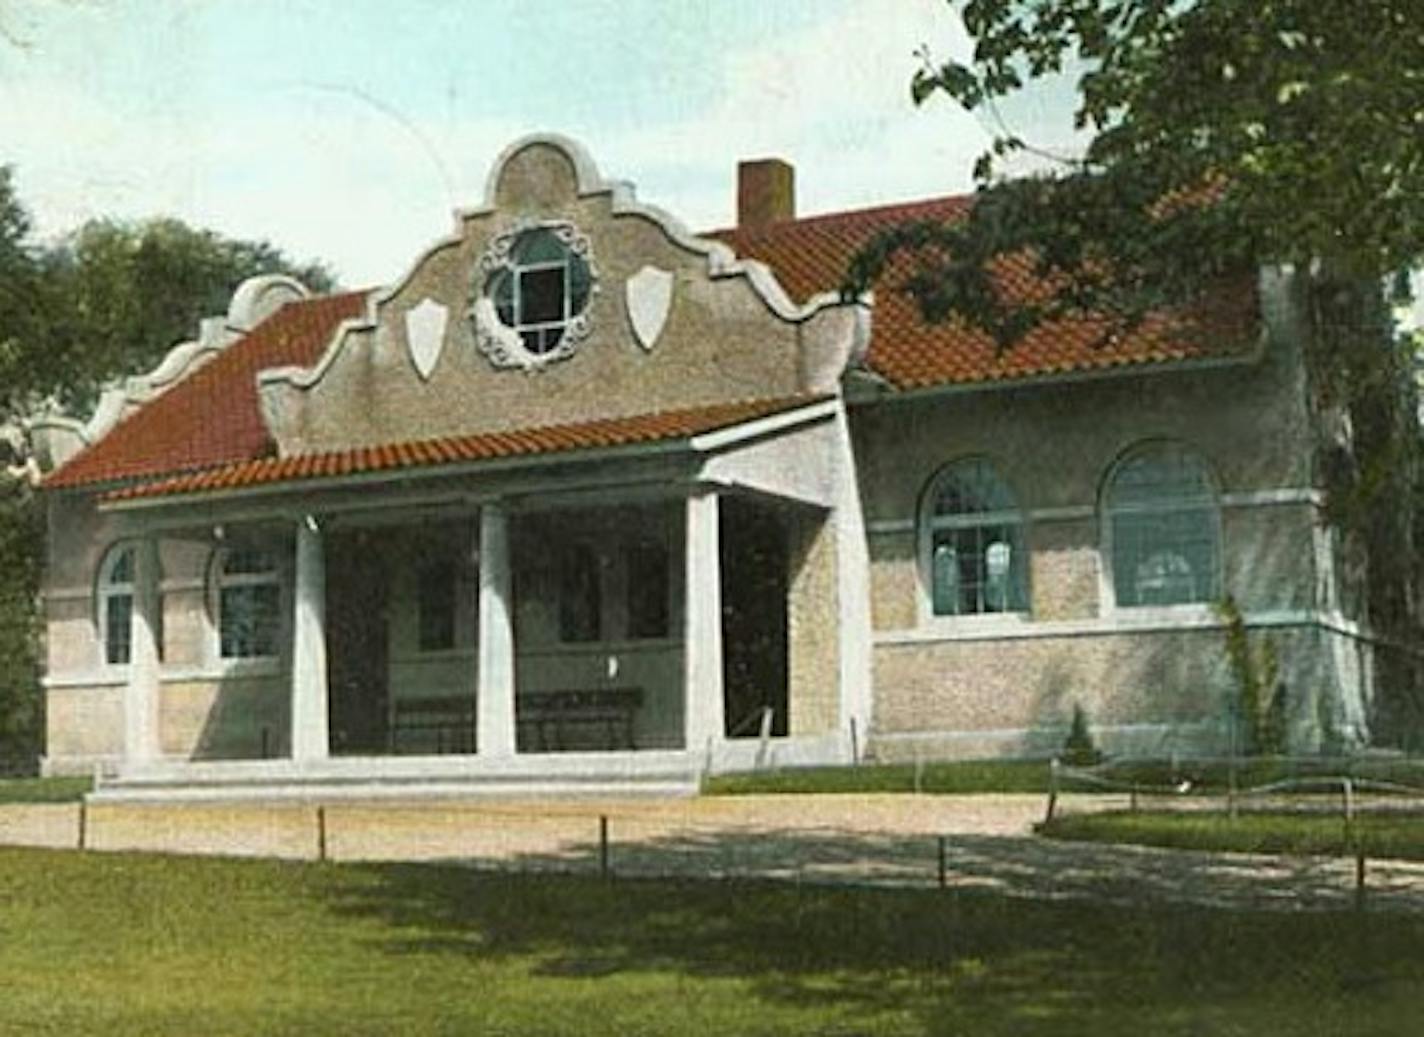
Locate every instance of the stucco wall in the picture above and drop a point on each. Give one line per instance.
(1149, 692)
(720, 342)
(813, 627)
(233, 718)
(1054, 444)
(209, 707)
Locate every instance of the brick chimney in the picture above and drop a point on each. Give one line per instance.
(766, 192)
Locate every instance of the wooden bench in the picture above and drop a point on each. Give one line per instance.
(446, 721)
(609, 711)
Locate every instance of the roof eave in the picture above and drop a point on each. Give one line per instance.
(885, 391)
(705, 442)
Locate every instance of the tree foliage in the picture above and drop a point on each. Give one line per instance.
(106, 301)
(113, 297)
(1259, 709)
(1221, 136)
(1300, 121)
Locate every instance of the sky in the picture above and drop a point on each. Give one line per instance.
(348, 130)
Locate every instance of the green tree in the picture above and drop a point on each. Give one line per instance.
(1221, 135)
(106, 301)
(122, 294)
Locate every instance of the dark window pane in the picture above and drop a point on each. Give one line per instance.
(580, 283)
(539, 246)
(579, 618)
(248, 560)
(123, 568)
(501, 292)
(647, 591)
(250, 620)
(1164, 557)
(541, 296)
(437, 608)
(978, 569)
(118, 616)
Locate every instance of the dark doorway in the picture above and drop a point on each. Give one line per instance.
(754, 584)
(357, 593)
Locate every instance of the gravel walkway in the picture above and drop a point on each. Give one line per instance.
(875, 840)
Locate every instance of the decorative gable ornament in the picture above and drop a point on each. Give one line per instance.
(648, 294)
(425, 334)
(531, 293)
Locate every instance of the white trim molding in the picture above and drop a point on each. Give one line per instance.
(1170, 619)
(1271, 497)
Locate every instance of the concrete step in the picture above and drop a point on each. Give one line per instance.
(353, 778)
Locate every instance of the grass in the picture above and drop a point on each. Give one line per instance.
(1395, 836)
(98, 944)
(1215, 776)
(970, 776)
(43, 790)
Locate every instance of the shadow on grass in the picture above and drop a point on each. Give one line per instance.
(996, 953)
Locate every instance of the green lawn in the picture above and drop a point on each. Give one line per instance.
(1380, 835)
(129, 944)
(43, 790)
(961, 777)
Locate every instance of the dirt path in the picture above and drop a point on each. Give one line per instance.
(877, 840)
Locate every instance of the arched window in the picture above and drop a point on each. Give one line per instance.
(972, 542)
(116, 595)
(1163, 525)
(249, 602)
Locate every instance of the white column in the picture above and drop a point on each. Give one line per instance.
(494, 727)
(141, 704)
(309, 690)
(703, 707)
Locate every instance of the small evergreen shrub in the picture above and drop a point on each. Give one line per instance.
(1079, 749)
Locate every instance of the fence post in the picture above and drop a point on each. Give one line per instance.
(1359, 878)
(603, 845)
(1052, 789)
(1231, 785)
(83, 824)
(321, 833)
(943, 864)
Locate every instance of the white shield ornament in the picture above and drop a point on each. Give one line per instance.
(649, 297)
(425, 334)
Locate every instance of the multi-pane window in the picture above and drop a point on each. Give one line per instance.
(249, 603)
(544, 285)
(116, 591)
(647, 590)
(973, 542)
(1163, 523)
(436, 600)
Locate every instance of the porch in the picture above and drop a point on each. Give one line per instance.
(439, 638)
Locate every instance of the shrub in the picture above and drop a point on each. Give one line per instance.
(1079, 749)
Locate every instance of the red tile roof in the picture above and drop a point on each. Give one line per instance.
(211, 417)
(486, 446)
(810, 255)
(210, 422)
